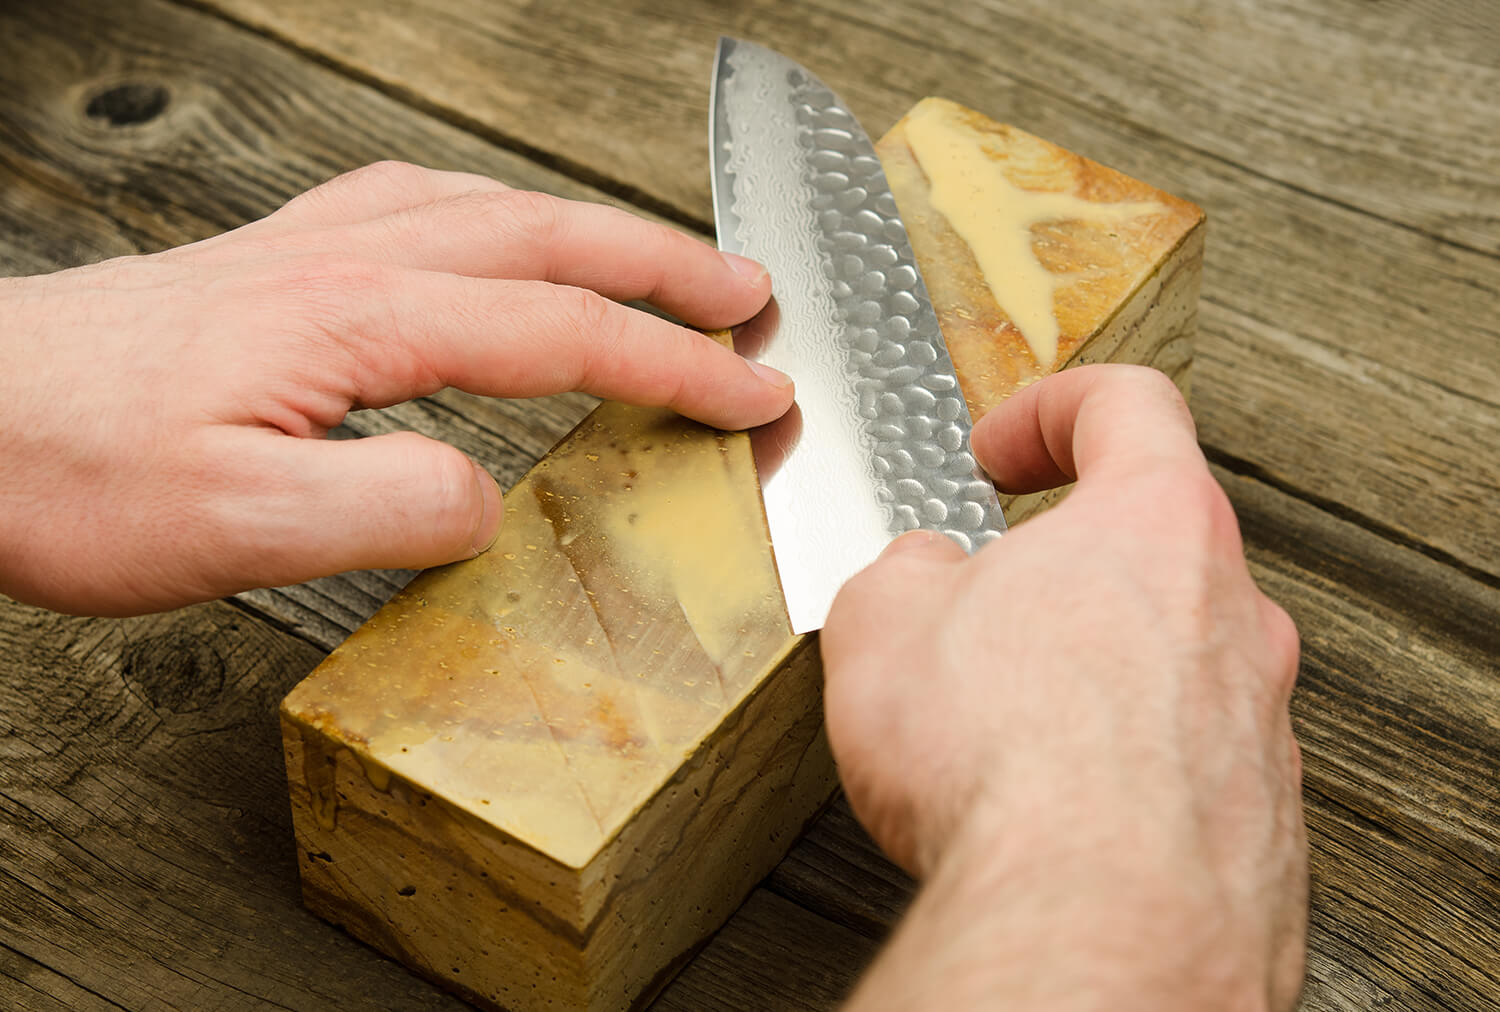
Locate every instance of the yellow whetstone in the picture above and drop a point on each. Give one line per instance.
(544, 776)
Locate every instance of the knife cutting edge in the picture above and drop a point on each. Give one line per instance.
(878, 442)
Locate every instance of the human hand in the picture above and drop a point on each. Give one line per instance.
(161, 416)
(1080, 736)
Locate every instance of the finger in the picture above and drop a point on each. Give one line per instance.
(924, 547)
(1084, 420)
(397, 501)
(1284, 645)
(863, 609)
(412, 333)
(374, 191)
(532, 236)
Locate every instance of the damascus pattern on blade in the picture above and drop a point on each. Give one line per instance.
(884, 443)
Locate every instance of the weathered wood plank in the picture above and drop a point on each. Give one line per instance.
(775, 951)
(1391, 292)
(1278, 87)
(1365, 378)
(29, 986)
(1398, 713)
(144, 854)
(837, 871)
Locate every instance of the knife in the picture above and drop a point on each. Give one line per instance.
(878, 441)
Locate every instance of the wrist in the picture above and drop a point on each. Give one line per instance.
(1016, 912)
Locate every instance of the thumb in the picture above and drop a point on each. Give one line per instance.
(925, 545)
(395, 501)
(865, 607)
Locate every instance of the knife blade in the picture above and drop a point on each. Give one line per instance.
(878, 441)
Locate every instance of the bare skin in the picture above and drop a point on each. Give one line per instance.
(161, 416)
(1078, 739)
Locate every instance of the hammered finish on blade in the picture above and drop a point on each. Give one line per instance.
(878, 444)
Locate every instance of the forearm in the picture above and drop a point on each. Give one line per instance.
(1007, 923)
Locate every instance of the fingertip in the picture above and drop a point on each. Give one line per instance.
(750, 272)
(735, 405)
(735, 299)
(933, 544)
(773, 377)
(492, 513)
(883, 588)
(783, 390)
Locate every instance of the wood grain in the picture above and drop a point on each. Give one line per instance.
(1376, 320)
(776, 951)
(1398, 714)
(144, 857)
(1270, 84)
(1348, 322)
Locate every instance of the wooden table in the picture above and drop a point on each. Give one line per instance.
(1347, 391)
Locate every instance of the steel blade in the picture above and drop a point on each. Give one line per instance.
(878, 442)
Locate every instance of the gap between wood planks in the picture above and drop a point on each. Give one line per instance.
(445, 114)
(1243, 468)
(1064, 97)
(50, 996)
(634, 195)
(623, 191)
(1231, 462)
(275, 621)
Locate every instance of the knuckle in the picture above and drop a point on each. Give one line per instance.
(383, 176)
(1189, 499)
(670, 243)
(326, 280)
(1144, 385)
(347, 191)
(674, 250)
(591, 313)
(387, 174)
(599, 323)
(1201, 492)
(1286, 645)
(1145, 380)
(528, 215)
(325, 295)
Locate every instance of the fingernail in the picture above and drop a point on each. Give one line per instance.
(746, 268)
(494, 511)
(775, 377)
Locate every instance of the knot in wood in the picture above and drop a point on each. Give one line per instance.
(175, 673)
(128, 104)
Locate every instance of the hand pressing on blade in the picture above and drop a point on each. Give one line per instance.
(1079, 738)
(161, 417)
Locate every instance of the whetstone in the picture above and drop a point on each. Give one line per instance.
(543, 777)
